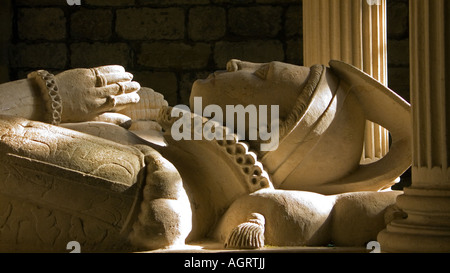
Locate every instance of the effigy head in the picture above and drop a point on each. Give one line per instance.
(289, 87)
(321, 122)
(247, 83)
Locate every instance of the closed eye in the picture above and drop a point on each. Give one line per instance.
(262, 71)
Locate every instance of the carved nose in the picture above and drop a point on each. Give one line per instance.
(233, 65)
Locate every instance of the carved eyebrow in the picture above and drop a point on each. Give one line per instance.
(262, 71)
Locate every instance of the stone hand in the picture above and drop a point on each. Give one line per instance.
(87, 94)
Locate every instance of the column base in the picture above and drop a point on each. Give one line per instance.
(414, 242)
(427, 227)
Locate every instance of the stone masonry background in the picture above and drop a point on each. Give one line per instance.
(167, 44)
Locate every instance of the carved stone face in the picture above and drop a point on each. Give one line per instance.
(246, 83)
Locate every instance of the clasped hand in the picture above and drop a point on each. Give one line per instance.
(96, 93)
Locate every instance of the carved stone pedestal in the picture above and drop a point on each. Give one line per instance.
(427, 228)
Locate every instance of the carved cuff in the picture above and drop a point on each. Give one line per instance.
(50, 93)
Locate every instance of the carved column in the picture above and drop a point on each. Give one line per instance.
(5, 37)
(427, 201)
(353, 31)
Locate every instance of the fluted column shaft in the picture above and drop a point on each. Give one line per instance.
(352, 31)
(427, 201)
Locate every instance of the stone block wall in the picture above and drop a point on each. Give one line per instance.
(167, 44)
(398, 46)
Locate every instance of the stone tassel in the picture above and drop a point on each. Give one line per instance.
(248, 235)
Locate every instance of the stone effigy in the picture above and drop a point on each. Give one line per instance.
(322, 116)
(81, 177)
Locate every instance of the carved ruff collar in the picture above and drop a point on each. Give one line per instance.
(303, 100)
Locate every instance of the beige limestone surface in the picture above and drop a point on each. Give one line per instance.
(111, 188)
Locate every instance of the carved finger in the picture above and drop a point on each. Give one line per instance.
(117, 89)
(127, 87)
(99, 77)
(117, 103)
(118, 77)
(115, 118)
(110, 69)
(126, 99)
(108, 75)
